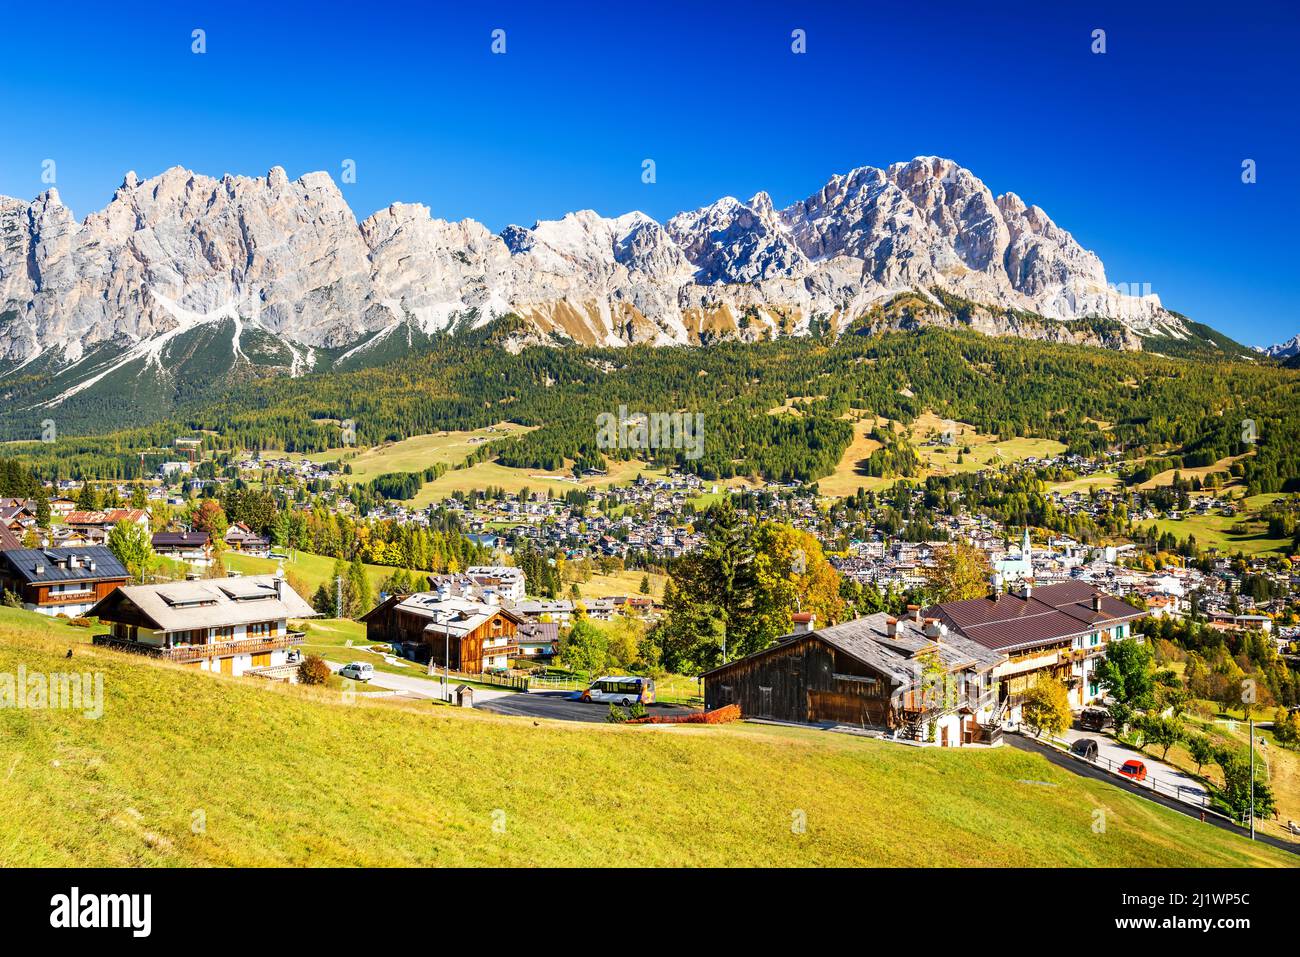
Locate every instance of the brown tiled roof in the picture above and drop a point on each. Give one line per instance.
(1049, 614)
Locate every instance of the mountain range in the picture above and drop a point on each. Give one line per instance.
(184, 280)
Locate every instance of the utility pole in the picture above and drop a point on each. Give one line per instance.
(1252, 779)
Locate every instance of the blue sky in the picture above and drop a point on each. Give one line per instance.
(1138, 152)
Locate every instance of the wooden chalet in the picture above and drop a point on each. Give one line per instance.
(61, 581)
(905, 678)
(463, 634)
(229, 625)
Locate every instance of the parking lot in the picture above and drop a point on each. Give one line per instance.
(561, 706)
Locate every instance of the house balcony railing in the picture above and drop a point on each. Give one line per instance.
(215, 649)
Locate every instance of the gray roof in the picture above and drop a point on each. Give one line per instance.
(456, 616)
(868, 641)
(63, 564)
(208, 603)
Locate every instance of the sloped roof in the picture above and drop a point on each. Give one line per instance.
(456, 616)
(57, 564)
(1049, 614)
(867, 640)
(208, 603)
(8, 540)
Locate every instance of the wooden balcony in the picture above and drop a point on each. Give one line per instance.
(215, 649)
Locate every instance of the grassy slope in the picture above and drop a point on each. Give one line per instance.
(293, 776)
(1216, 530)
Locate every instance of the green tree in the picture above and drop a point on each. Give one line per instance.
(87, 498)
(645, 584)
(1126, 673)
(1236, 793)
(585, 648)
(1161, 732)
(1201, 750)
(133, 546)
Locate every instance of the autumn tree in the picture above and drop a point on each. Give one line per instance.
(960, 571)
(1046, 706)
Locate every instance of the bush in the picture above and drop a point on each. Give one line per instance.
(312, 670)
(636, 711)
(81, 622)
(723, 715)
(616, 715)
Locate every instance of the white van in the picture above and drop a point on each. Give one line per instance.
(622, 690)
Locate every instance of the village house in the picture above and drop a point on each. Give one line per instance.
(538, 640)
(559, 611)
(241, 538)
(61, 581)
(192, 547)
(468, 636)
(1061, 631)
(903, 678)
(508, 580)
(231, 625)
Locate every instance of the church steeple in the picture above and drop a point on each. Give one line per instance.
(1025, 547)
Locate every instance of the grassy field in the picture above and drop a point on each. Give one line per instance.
(620, 583)
(313, 570)
(514, 480)
(986, 451)
(186, 768)
(416, 453)
(1216, 529)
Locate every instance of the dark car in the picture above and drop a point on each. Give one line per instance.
(1085, 748)
(1094, 719)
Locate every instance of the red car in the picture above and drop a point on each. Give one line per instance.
(1135, 770)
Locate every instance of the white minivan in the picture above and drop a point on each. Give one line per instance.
(623, 690)
(358, 671)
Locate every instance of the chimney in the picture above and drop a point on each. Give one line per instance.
(279, 588)
(915, 611)
(934, 628)
(891, 627)
(40, 569)
(90, 564)
(804, 622)
(1096, 601)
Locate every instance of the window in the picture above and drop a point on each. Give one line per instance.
(1094, 638)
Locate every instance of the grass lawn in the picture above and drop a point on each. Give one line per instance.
(1216, 529)
(313, 570)
(986, 451)
(513, 480)
(1283, 765)
(620, 583)
(281, 775)
(416, 453)
(342, 640)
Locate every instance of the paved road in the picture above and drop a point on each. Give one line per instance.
(1168, 776)
(422, 687)
(558, 705)
(1086, 770)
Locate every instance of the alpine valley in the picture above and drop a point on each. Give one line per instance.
(184, 285)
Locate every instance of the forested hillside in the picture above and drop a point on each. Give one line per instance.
(1089, 398)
